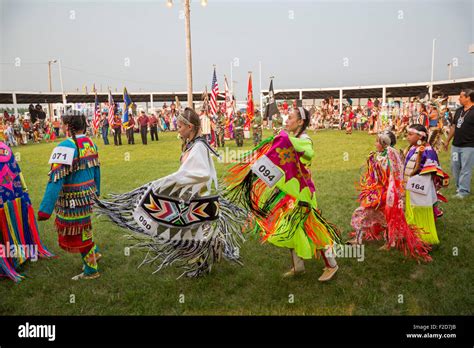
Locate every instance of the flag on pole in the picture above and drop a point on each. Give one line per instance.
(111, 109)
(205, 99)
(178, 104)
(229, 105)
(96, 119)
(229, 111)
(250, 106)
(214, 93)
(271, 107)
(128, 102)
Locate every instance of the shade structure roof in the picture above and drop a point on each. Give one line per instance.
(54, 97)
(448, 87)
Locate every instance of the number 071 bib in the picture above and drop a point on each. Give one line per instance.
(62, 155)
(267, 171)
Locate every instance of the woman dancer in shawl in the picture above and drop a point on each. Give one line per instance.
(423, 177)
(381, 202)
(274, 182)
(185, 221)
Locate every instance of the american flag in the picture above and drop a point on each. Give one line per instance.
(214, 93)
(111, 109)
(96, 119)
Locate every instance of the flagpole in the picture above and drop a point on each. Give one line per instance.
(231, 78)
(432, 68)
(217, 96)
(187, 11)
(61, 82)
(50, 106)
(260, 83)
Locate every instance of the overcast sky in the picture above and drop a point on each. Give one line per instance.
(141, 44)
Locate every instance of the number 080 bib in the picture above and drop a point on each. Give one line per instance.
(267, 171)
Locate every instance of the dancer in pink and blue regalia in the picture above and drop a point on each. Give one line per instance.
(19, 237)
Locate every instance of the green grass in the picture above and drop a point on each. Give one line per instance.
(372, 287)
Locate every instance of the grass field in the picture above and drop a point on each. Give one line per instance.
(375, 286)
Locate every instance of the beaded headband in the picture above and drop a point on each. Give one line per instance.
(184, 120)
(420, 133)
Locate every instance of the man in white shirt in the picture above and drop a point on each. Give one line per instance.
(206, 126)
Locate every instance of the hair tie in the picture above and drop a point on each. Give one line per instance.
(302, 113)
(384, 138)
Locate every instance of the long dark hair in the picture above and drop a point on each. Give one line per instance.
(75, 122)
(305, 119)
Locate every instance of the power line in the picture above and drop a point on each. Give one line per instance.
(111, 77)
(93, 74)
(25, 63)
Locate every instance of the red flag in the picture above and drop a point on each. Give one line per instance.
(250, 106)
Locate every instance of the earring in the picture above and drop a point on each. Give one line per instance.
(418, 142)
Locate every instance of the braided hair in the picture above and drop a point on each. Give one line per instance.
(305, 119)
(190, 117)
(75, 122)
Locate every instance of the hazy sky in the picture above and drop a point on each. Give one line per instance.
(302, 43)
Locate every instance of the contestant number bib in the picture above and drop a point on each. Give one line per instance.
(62, 155)
(267, 171)
(419, 184)
(147, 225)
